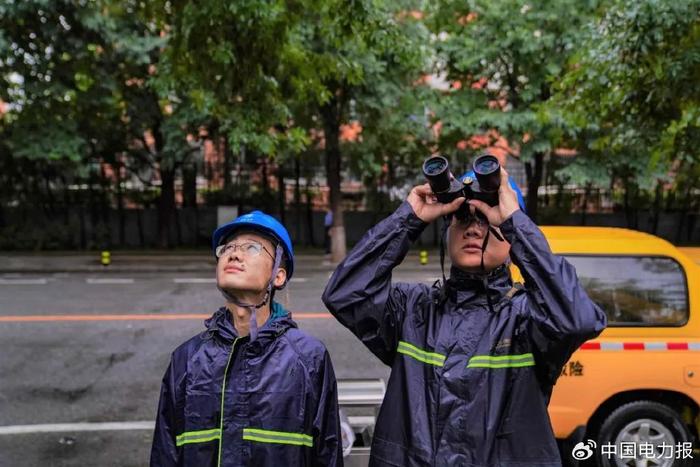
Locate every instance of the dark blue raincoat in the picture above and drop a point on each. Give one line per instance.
(279, 404)
(469, 385)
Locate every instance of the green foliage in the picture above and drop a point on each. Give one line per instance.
(123, 83)
(631, 90)
(506, 56)
(230, 60)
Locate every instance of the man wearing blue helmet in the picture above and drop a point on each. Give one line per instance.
(252, 389)
(474, 359)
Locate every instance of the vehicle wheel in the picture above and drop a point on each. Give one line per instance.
(643, 422)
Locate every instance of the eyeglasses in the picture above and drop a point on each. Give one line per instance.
(248, 249)
(479, 219)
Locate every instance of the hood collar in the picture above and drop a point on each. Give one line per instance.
(280, 320)
(469, 287)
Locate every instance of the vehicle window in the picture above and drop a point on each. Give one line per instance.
(635, 291)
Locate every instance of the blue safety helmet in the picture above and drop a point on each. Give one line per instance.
(266, 225)
(513, 185)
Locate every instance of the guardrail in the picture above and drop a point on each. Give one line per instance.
(354, 395)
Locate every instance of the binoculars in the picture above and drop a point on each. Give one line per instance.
(484, 187)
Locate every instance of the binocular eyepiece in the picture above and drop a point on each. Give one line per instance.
(484, 187)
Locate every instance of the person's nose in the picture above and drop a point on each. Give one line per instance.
(235, 255)
(473, 230)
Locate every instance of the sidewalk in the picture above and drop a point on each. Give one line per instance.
(91, 262)
(149, 262)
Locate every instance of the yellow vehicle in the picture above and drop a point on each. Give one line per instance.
(638, 383)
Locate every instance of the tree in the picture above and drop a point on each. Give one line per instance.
(627, 90)
(263, 69)
(82, 84)
(368, 54)
(389, 152)
(235, 63)
(505, 57)
(63, 113)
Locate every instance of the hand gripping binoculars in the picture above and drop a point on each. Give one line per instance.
(484, 187)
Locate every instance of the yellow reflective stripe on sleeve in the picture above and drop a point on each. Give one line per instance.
(278, 437)
(431, 358)
(501, 361)
(502, 357)
(201, 436)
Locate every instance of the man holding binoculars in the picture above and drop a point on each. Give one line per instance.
(473, 359)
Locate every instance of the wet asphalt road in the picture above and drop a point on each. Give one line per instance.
(109, 371)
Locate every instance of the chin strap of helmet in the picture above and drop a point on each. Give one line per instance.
(484, 273)
(253, 322)
(442, 288)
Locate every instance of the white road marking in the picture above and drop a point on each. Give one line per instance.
(298, 279)
(118, 426)
(72, 427)
(195, 280)
(40, 281)
(109, 281)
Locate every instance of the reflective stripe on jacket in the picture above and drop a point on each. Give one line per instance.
(280, 401)
(469, 386)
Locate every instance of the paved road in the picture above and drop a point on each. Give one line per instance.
(76, 348)
(70, 355)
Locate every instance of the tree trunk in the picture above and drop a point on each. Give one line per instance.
(310, 212)
(105, 210)
(635, 207)
(584, 208)
(684, 214)
(66, 202)
(559, 197)
(93, 208)
(331, 113)
(533, 170)
(139, 224)
(189, 193)
(120, 204)
(166, 206)
(189, 185)
(297, 195)
(49, 193)
(178, 227)
(629, 204)
(656, 210)
(671, 200)
(265, 184)
(83, 233)
(692, 208)
(281, 194)
(228, 158)
(547, 181)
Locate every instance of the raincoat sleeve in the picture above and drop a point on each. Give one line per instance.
(328, 444)
(163, 451)
(561, 316)
(360, 293)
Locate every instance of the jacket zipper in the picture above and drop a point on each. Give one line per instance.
(223, 395)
